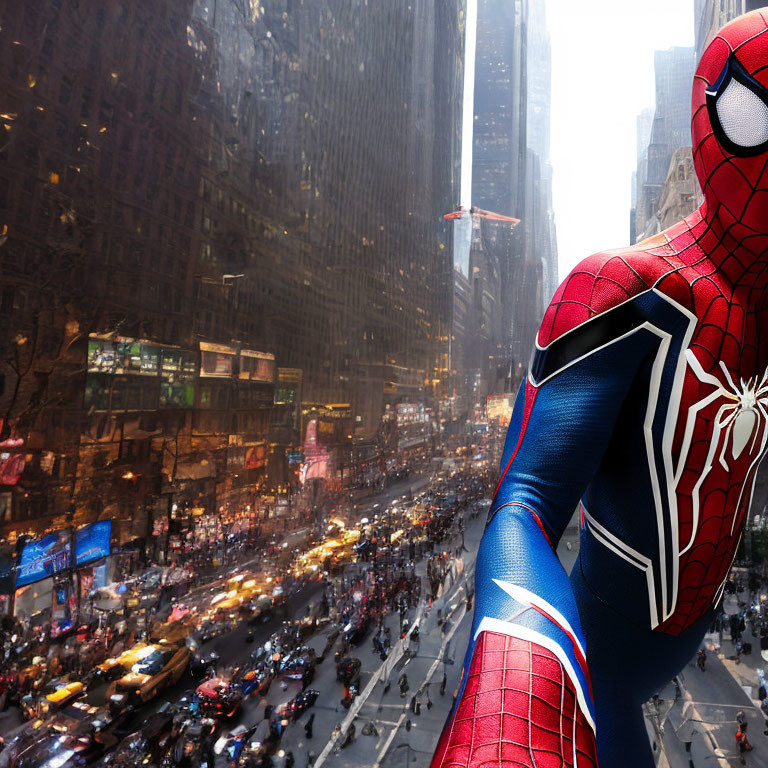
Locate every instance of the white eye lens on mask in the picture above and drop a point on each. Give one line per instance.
(738, 111)
(743, 115)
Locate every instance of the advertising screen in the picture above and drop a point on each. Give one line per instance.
(500, 408)
(92, 541)
(44, 557)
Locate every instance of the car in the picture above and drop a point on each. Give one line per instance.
(156, 667)
(147, 746)
(52, 697)
(348, 670)
(294, 708)
(299, 664)
(77, 735)
(357, 628)
(219, 697)
(202, 661)
(117, 666)
(258, 609)
(211, 629)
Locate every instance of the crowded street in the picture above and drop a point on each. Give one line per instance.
(325, 653)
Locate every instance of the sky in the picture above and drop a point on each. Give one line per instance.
(602, 77)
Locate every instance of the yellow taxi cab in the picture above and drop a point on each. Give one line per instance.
(65, 693)
(151, 668)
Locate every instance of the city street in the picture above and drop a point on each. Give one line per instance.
(693, 727)
(293, 292)
(235, 647)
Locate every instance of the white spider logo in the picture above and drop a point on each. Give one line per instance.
(746, 408)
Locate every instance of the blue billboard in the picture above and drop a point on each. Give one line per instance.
(92, 542)
(44, 557)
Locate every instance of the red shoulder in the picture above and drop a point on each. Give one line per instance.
(599, 283)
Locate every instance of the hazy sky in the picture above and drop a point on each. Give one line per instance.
(602, 76)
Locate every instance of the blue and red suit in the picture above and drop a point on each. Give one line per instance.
(646, 403)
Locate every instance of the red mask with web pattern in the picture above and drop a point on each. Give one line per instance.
(730, 137)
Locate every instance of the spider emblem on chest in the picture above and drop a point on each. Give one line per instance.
(740, 425)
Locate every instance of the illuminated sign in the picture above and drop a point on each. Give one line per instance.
(256, 456)
(92, 541)
(44, 557)
(499, 408)
(411, 413)
(120, 356)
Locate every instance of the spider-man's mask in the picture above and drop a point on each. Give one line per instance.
(730, 131)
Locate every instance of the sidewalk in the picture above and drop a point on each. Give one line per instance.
(439, 651)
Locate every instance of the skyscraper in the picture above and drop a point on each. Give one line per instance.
(199, 192)
(670, 130)
(499, 144)
(511, 174)
(539, 95)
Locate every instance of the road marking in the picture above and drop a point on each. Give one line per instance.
(435, 664)
(357, 705)
(395, 655)
(388, 742)
(690, 706)
(392, 706)
(716, 704)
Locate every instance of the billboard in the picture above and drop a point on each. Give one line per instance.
(44, 557)
(499, 408)
(256, 456)
(92, 542)
(121, 356)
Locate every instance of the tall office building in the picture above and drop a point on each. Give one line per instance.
(644, 123)
(710, 15)
(670, 130)
(499, 143)
(196, 193)
(543, 243)
(511, 174)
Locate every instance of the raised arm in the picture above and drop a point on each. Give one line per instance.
(524, 698)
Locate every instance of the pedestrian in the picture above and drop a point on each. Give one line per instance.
(403, 683)
(734, 627)
(701, 659)
(742, 741)
(308, 726)
(289, 759)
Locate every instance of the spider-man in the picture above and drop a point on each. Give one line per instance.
(646, 400)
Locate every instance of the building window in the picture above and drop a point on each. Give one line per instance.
(65, 91)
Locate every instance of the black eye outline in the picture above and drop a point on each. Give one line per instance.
(733, 71)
